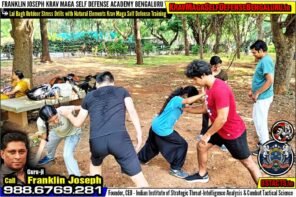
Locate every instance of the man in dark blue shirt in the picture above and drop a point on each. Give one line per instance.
(107, 107)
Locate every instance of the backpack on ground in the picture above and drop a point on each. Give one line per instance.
(41, 92)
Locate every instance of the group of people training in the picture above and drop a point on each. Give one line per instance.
(107, 105)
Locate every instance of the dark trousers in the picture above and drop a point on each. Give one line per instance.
(172, 147)
(205, 123)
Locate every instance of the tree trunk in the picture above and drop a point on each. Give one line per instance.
(186, 42)
(192, 25)
(217, 26)
(22, 34)
(259, 24)
(285, 50)
(138, 41)
(238, 45)
(199, 37)
(45, 57)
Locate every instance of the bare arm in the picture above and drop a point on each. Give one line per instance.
(196, 110)
(266, 85)
(78, 120)
(40, 149)
(193, 99)
(129, 104)
(15, 90)
(217, 124)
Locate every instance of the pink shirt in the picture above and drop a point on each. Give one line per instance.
(221, 96)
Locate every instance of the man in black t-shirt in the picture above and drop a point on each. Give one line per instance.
(107, 107)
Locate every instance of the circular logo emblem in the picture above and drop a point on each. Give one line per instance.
(275, 158)
(282, 131)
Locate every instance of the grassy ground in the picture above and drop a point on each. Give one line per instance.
(159, 60)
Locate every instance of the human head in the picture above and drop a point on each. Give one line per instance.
(197, 70)
(188, 91)
(14, 149)
(104, 78)
(17, 74)
(48, 114)
(258, 49)
(215, 63)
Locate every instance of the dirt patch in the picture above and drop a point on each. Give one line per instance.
(149, 88)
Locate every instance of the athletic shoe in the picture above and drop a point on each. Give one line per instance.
(223, 148)
(45, 160)
(178, 173)
(195, 178)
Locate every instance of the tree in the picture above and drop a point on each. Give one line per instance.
(240, 26)
(185, 32)
(45, 57)
(259, 25)
(284, 38)
(218, 22)
(199, 29)
(206, 27)
(138, 41)
(167, 31)
(22, 34)
(128, 29)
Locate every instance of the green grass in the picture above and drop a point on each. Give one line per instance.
(164, 60)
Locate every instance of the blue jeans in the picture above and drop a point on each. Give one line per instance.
(69, 148)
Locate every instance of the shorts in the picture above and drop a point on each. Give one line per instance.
(238, 147)
(120, 146)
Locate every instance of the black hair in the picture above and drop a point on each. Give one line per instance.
(45, 113)
(215, 60)
(19, 74)
(105, 77)
(189, 90)
(14, 135)
(198, 68)
(259, 44)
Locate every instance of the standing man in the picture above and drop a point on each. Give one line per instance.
(262, 91)
(107, 107)
(227, 126)
(14, 155)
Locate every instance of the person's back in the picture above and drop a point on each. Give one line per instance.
(106, 108)
(164, 123)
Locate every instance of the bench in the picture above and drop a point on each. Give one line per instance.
(17, 108)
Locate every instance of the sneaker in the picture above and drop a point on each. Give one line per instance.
(45, 160)
(178, 173)
(223, 148)
(197, 178)
(256, 152)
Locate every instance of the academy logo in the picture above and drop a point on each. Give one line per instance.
(282, 131)
(275, 158)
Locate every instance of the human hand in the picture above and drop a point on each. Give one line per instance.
(255, 96)
(250, 94)
(205, 139)
(138, 146)
(66, 112)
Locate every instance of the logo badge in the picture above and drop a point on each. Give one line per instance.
(275, 158)
(282, 131)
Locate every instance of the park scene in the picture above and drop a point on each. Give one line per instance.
(149, 57)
